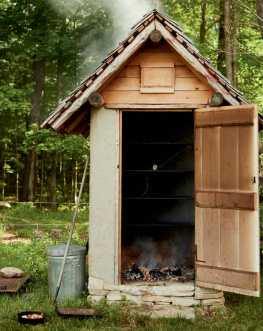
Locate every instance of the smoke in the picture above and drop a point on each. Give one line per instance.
(109, 23)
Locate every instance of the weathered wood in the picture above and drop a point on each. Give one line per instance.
(134, 83)
(241, 115)
(156, 37)
(106, 75)
(226, 200)
(129, 72)
(184, 71)
(96, 100)
(194, 64)
(157, 80)
(226, 216)
(216, 100)
(227, 277)
(160, 58)
(120, 196)
(179, 97)
(150, 107)
(229, 288)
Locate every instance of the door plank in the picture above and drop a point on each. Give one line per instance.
(227, 200)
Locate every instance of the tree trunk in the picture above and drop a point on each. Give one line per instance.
(221, 40)
(235, 43)
(42, 176)
(228, 47)
(260, 14)
(4, 174)
(53, 181)
(34, 117)
(203, 23)
(17, 169)
(60, 57)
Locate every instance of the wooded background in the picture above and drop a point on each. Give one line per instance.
(48, 46)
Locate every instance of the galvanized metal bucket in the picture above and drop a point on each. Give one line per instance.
(73, 281)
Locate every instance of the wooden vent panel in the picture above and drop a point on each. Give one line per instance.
(157, 80)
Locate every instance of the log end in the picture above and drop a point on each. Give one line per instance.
(96, 100)
(156, 37)
(216, 100)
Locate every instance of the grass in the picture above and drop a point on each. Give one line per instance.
(242, 313)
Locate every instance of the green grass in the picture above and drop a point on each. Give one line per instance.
(242, 313)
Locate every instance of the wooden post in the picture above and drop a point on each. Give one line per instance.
(96, 100)
(216, 100)
(156, 37)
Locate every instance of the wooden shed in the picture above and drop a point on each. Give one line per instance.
(173, 172)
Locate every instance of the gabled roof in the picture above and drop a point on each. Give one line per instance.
(72, 115)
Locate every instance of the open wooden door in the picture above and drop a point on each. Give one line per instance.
(226, 199)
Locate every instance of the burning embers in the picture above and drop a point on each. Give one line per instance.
(180, 273)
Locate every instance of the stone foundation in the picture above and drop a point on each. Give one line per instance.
(167, 299)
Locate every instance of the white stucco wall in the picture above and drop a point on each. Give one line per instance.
(103, 213)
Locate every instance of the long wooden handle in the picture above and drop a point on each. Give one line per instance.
(71, 231)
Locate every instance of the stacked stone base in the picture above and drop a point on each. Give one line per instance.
(166, 299)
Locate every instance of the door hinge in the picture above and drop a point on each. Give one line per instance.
(254, 180)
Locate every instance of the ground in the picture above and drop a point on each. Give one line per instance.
(26, 249)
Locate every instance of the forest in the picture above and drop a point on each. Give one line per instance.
(48, 47)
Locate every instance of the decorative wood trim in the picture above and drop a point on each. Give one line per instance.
(194, 64)
(172, 107)
(120, 192)
(227, 200)
(106, 75)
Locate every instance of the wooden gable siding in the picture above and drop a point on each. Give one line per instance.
(125, 87)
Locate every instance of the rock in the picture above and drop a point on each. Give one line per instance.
(172, 311)
(185, 302)
(95, 283)
(162, 303)
(152, 298)
(98, 292)
(114, 296)
(173, 291)
(134, 298)
(217, 295)
(5, 204)
(11, 272)
(205, 290)
(214, 302)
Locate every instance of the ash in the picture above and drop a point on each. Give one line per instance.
(179, 273)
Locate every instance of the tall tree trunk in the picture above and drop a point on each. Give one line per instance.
(203, 23)
(42, 175)
(4, 174)
(53, 180)
(221, 39)
(235, 43)
(34, 117)
(260, 14)
(60, 56)
(17, 168)
(228, 47)
(64, 177)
